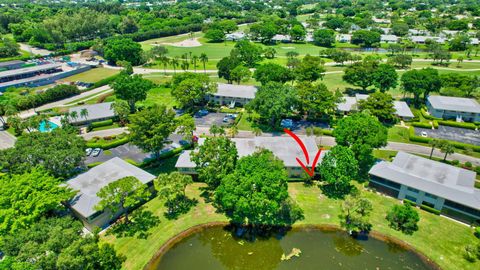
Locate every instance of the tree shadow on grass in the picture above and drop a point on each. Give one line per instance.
(141, 221)
(333, 191)
(181, 205)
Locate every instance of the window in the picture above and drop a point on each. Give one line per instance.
(463, 208)
(95, 215)
(431, 196)
(414, 190)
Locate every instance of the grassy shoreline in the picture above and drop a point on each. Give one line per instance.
(440, 239)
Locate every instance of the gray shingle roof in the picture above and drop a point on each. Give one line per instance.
(402, 109)
(285, 148)
(89, 183)
(238, 91)
(95, 111)
(10, 63)
(446, 181)
(454, 104)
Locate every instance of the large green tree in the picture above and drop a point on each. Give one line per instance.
(26, 198)
(122, 194)
(256, 194)
(380, 105)
(272, 101)
(123, 49)
(132, 89)
(271, 72)
(366, 38)
(57, 244)
(191, 89)
(60, 152)
(361, 73)
(226, 65)
(215, 159)
(385, 77)
(403, 218)
(421, 82)
(248, 52)
(362, 133)
(151, 127)
(311, 68)
(324, 37)
(171, 187)
(338, 168)
(316, 100)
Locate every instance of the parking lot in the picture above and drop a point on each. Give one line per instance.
(129, 151)
(211, 119)
(451, 133)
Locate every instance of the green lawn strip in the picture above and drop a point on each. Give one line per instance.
(398, 134)
(244, 124)
(441, 239)
(114, 125)
(386, 155)
(93, 75)
(75, 102)
(159, 95)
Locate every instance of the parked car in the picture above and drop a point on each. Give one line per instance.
(183, 142)
(424, 134)
(96, 152)
(88, 151)
(287, 123)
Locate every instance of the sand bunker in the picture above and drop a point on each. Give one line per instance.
(288, 48)
(191, 42)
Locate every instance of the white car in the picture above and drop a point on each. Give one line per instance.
(88, 151)
(424, 134)
(96, 152)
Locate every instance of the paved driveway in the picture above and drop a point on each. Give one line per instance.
(452, 133)
(128, 151)
(211, 119)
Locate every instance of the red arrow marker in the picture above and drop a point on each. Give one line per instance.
(311, 171)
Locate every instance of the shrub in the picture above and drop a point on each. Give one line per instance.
(98, 124)
(477, 232)
(108, 145)
(477, 169)
(468, 164)
(414, 138)
(94, 164)
(421, 125)
(53, 94)
(430, 209)
(457, 124)
(403, 218)
(471, 253)
(408, 202)
(455, 162)
(428, 116)
(104, 81)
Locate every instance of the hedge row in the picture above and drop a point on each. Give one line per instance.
(430, 209)
(421, 125)
(428, 116)
(55, 93)
(408, 202)
(108, 145)
(98, 124)
(103, 82)
(457, 124)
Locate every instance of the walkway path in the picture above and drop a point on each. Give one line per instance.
(59, 103)
(7, 140)
(33, 50)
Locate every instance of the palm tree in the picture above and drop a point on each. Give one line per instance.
(16, 123)
(233, 131)
(204, 60)
(175, 64)
(434, 143)
(84, 113)
(74, 115)
(447, 148)
(194, 62)
(165, 61)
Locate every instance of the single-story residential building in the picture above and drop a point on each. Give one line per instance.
(454, 108)
(402, 110)
(235, 36)
(446, 188)
(344, 38)
(89, 183)
(389, 38)
(14, 64)
(96, 112)
(350, 104)
(284, 148)
(418, 32)
(231, 94)
(281, 38)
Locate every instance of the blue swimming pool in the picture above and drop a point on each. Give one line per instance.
(44, 127)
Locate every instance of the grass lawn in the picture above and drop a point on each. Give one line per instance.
(159, 95)
(386, 155)
(441, 239)
(398, 134)
(93, 75)
(244, 124)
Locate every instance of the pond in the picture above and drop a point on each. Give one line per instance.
(215, 248)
